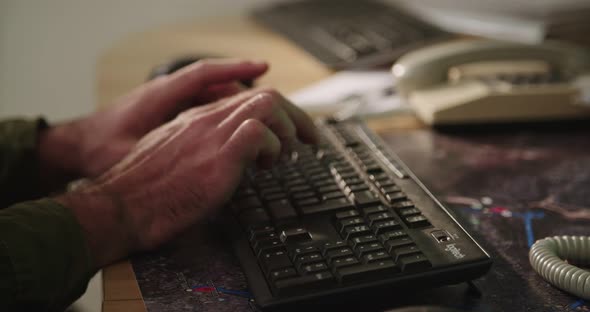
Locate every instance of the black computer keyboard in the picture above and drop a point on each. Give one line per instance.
(344, 218)
(348, 33)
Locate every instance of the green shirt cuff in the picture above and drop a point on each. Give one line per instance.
(44, 260)
(19, 162)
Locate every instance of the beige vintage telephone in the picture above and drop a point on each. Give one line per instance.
(483, 81)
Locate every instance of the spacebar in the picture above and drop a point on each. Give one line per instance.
(327, 206)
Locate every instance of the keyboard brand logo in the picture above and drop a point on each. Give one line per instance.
(456, 252)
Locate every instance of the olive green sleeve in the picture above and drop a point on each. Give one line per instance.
(19, 165)
(44, 261)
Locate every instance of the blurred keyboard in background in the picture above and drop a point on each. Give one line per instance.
(348, 33)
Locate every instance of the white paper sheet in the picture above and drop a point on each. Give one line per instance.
(351, 93)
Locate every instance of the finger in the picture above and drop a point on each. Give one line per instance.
(189, 81)
(218, 91)
(263, 108)
(251, 142)
(305, 128)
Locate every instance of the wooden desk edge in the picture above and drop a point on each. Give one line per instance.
(120, 289)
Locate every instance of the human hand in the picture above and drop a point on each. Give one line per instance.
(183, 170)
(89, 146)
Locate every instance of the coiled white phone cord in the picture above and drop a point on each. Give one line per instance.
(547, 258)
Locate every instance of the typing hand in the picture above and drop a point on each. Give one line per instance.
(87, 147)
(183, 170)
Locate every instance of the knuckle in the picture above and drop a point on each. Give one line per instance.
(261, 103)
(273, 93)
(254, 128)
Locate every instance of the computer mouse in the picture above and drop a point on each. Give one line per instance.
(178, 63)
(427, 308)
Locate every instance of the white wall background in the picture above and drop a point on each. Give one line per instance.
(48, 48)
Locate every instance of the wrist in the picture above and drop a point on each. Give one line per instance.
(104, 223)
(59, 154)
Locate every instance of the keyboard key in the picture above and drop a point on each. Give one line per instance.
(328, 206)
(374, 209)
(332, 195)
(361, 250)
(377, 269)
(295, 235)
(389, 187)
(315, 267)
(385, 226)
(415, 262)
(344, 223)
(320, 176)
(304, 283)
(328, 189)
(262, 233)
(245, 192)
(376, 256)
(267, 245)
(250, 202)
(271, 190)
(392, 235)
(342, 262)
(338, 253)
(300, 188)
(366, 198)
(402, 204)
(275, 196)
(395, 197)
(417, 221)
(365, 239)
(302, 251)
(253, 217)
(274, 260)
(297, 182)
(409, 211)
(303, 195)
(333, 245)
(348, 175)
(282, 274)
(324, 182)
(382, 176)
(382, 184)
(399, 252)
(351, 181)
(382, 216)
(307, 202)
(355, 188)
(270, 184)
(354, 231)
(308, 258)
(398, 242)
(347, 214)
(263, 236)
(281, 210)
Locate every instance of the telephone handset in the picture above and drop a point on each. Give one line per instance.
(483, 81)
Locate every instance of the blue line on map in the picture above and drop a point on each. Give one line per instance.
(577, 304)
(528, 224)
(235, 292)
